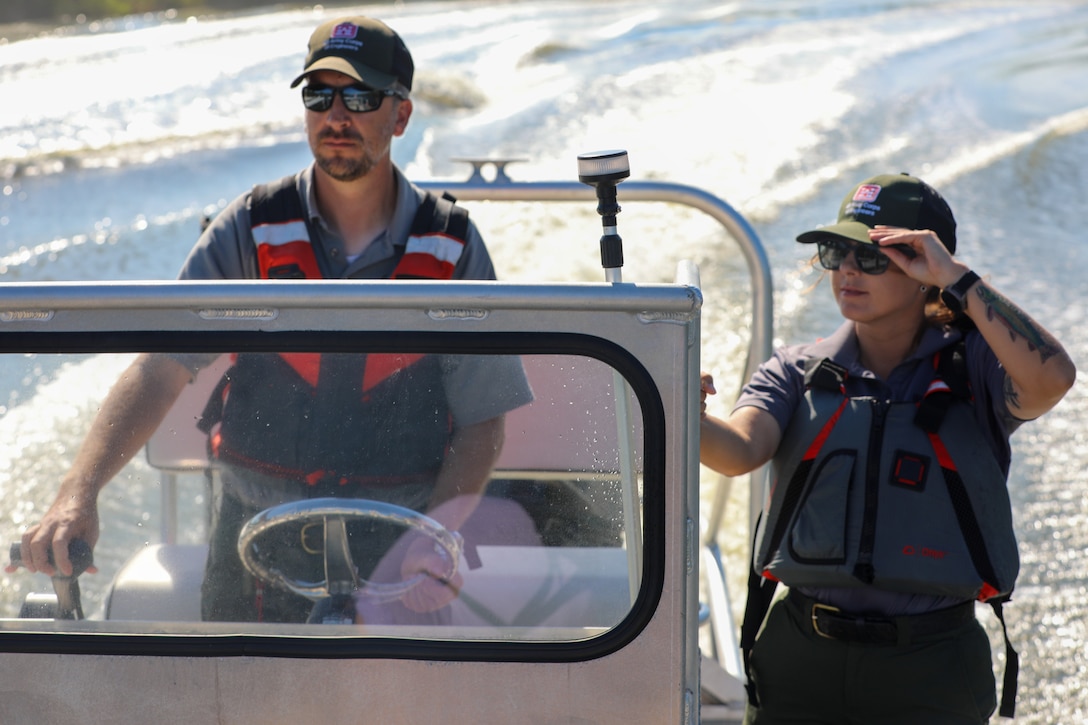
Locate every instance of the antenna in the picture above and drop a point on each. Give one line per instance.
(603, 170)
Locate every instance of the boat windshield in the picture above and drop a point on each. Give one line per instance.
(374, 490)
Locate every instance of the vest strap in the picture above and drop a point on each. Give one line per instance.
(1012, 664)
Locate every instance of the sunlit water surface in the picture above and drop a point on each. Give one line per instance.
(115, 139)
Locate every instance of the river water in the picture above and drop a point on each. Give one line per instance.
(116, 138)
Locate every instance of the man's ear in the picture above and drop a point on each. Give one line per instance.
(404, 112)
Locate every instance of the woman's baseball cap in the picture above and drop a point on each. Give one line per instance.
(368, 50)
(896, 200)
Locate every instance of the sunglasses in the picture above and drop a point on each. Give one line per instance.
(868, 257)
(356, 98)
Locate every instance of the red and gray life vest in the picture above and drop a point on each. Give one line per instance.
(282, 235)
(337, 418)
(903, 496)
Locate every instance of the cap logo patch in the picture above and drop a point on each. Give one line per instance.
(344, 38)
(345, 30)
(867, 192)
(861, 205)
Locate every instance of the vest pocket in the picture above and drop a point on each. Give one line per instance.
(820, 528)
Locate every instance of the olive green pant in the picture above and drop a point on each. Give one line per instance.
(802, 677)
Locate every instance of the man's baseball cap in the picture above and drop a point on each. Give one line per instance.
(896, 200)
(368, 50)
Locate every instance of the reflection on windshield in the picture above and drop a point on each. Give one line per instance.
(495, 496)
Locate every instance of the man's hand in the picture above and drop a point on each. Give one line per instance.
(69, 518)
(437, 589)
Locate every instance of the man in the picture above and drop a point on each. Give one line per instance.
(351, 214)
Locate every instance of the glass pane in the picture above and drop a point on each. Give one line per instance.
(474, 497)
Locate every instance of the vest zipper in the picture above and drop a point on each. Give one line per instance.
(863, 569)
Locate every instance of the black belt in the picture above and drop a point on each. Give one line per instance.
(833, 623)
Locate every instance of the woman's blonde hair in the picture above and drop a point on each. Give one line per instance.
(938, 313)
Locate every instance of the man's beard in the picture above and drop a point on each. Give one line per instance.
(343, 168)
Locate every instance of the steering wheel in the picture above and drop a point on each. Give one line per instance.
(341, 575)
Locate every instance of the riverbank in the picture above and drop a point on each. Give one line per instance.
(59, 12)
(12, 32)
(21, 30)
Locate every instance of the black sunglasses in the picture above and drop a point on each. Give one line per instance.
(357, 98)
(868, 257)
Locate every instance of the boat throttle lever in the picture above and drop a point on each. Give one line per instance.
(603, 170)
(66, 587)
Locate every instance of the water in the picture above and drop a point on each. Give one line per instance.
(114, 140)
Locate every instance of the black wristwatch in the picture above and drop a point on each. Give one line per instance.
(953, 295)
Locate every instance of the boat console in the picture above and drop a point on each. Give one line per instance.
(587, 585)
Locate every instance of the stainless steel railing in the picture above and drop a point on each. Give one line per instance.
(502, 188)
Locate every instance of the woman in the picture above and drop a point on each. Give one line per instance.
(887, 515)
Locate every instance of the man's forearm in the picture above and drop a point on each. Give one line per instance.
(466, 471)
(129, 415)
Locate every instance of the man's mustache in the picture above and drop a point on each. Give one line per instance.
(345, 135)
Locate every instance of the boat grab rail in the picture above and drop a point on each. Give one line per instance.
(502, 188)
(726, 650)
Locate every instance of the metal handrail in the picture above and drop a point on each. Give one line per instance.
(503, 188)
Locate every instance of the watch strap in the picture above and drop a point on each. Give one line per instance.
(954, 295)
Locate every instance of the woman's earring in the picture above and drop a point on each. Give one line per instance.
(923, 288)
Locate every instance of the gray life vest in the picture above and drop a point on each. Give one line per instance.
(903, 496)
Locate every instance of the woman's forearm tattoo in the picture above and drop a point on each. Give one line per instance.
(1016, 322)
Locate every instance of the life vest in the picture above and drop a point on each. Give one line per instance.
(899, 495)
(282, 236)
(903, 496)
(335, 419)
